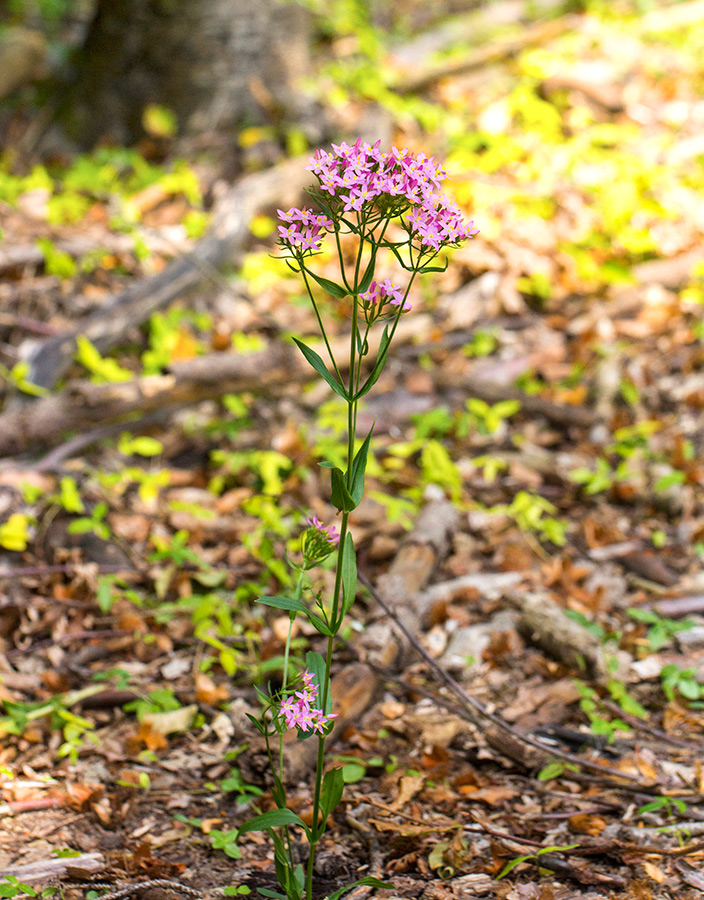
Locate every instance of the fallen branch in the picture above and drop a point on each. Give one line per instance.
(503, 736)
(84, 405)
(494, 392)
(45, 869)
(493, 52)
(49, 359)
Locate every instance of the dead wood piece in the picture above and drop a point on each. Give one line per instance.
(672, 273)
(493, 392)
(50, 359)
(476, 713)
(409, 573)
(607, 96)
(493, 52)
(678, 607)
(26, 323)
(489, 586)
(648, 565)
(85, 405)
(544, 623)
(44, 869)
(22, 255)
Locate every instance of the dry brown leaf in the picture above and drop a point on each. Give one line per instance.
(153, 740)
(584, 823)
(209, 692)
(403, 829)
(409, 786)
(492, 796)
(80, 795)
(654, 872)
(172, 721)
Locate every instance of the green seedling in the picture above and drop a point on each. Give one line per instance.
(682, 683)
(219, 840)
(75, 728)
(556, 769)
(94, 522)
(12, 887)
(601, 722)
(158, 701)
(235, 785)
(14, 533)
(483, 343)
(534, 858)
(661, 630)
(486, 418)
(533, 514)
(17, 377)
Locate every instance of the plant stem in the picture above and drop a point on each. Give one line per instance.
(317, 829)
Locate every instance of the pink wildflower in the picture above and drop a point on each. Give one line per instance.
(329, 531)
(298, 709)
(378, 295)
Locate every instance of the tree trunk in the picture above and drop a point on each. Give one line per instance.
(217, 64)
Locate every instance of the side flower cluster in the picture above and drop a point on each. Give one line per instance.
(440, 225)
(303, 230)
(359, 177)
(375, 298)
(318, 542)
(299, 710)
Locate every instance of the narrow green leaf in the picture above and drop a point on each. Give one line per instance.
(299, 877)
(432, 269)
(368, 275)
(336, 290)
(510, 866)
(272, 819)
(316, 664)
(381, 359)
(333, 787)
(265, 892)
(257, 724)
(349, 577)
(315, 360)
(290, 603)
(395, 252)
(340, 497)
(319, 624)
(359, 466)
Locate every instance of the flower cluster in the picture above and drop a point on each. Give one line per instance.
(357, 174)
(299, 709)
(357, 177)
(304, 230)
(319, 541)
(328, 531)
(375, 298)
(442, 224)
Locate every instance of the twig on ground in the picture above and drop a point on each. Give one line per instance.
(477, 711)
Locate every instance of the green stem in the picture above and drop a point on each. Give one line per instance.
(318, 829)
(298, 593)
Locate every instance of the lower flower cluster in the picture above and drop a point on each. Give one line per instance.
(299, 710)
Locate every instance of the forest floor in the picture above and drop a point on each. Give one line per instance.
(535, 503)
